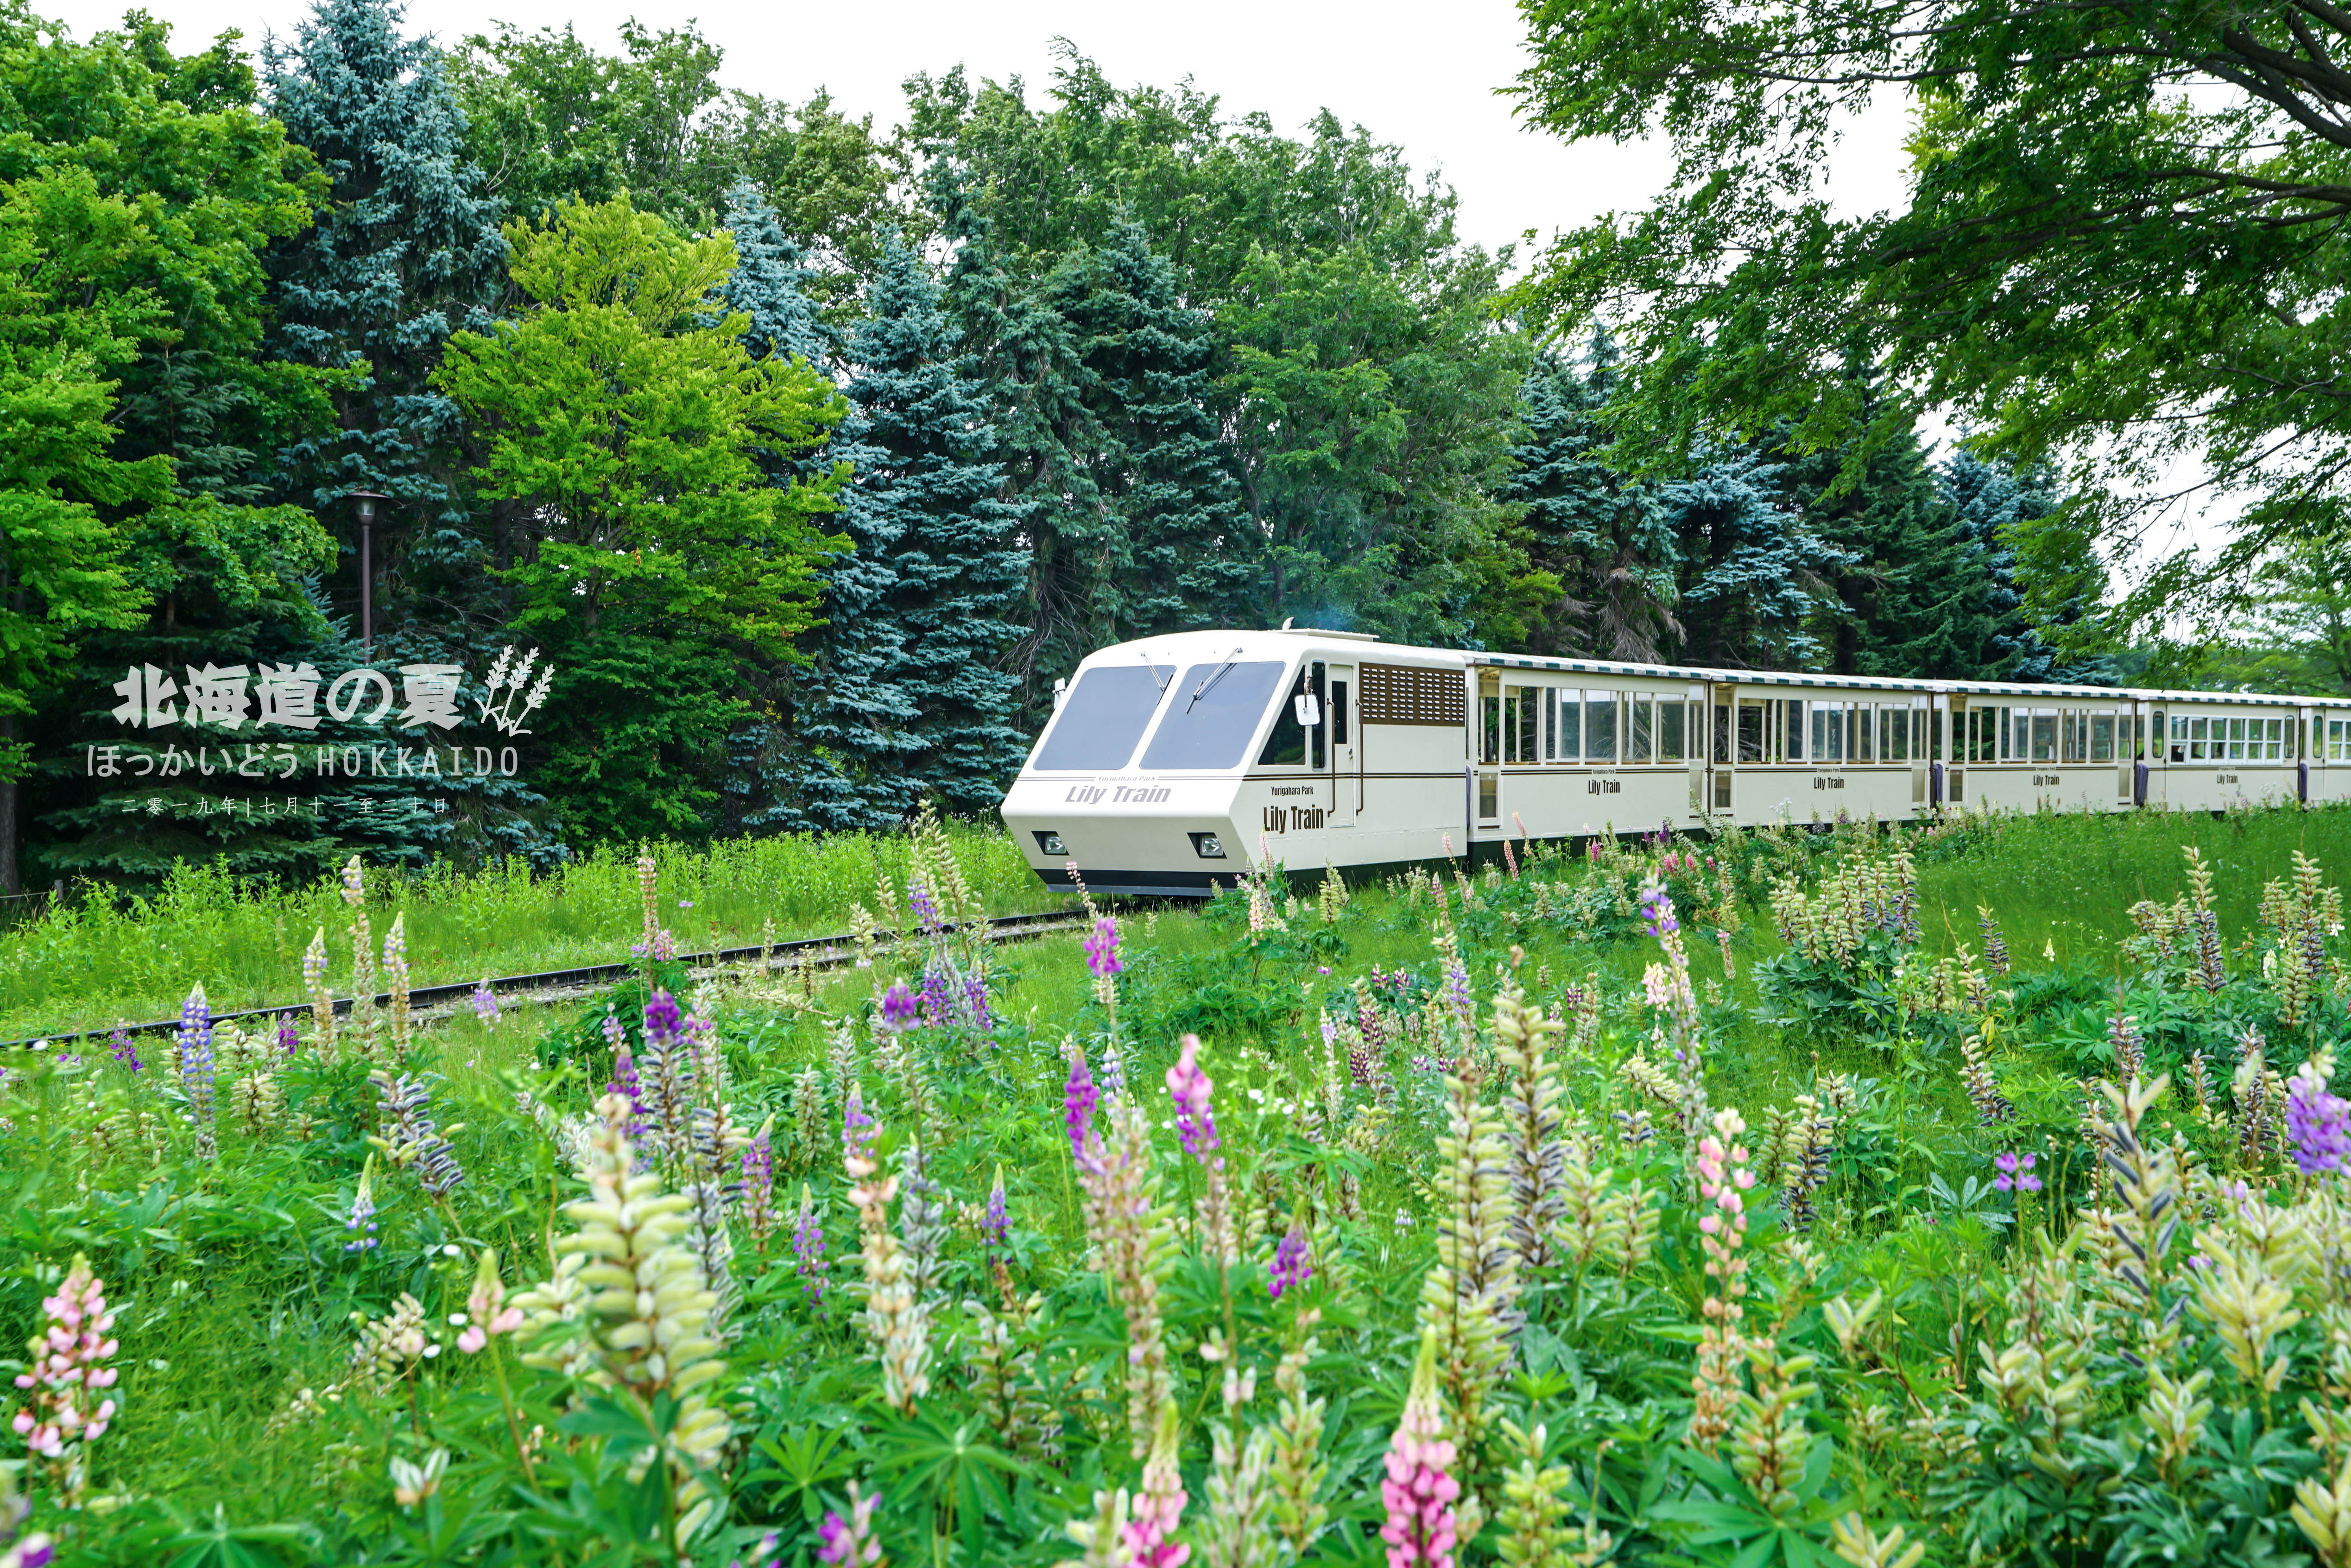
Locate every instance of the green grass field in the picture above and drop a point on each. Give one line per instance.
(227, 1238)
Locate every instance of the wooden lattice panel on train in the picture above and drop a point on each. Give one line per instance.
(1402, 694)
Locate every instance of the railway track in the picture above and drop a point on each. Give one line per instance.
(549, 986)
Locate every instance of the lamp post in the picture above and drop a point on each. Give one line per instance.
(363, 506)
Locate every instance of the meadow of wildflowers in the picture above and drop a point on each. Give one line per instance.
(1803, 1196)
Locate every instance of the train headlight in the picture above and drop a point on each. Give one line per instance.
(1208, 846)
(1050, 843)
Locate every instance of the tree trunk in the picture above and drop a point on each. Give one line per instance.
(10, 880)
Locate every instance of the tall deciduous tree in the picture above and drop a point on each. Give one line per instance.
(639, 427)
(2121, 238)
(143, 189)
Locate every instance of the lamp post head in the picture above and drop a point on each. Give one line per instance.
(363, 503)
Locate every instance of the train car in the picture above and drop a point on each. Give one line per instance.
(1175, 763)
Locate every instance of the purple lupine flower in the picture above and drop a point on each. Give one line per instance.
(360, 1226)
(1293, 1265)
(125, 1051)
(857, 1128)
(1102, 950)
(664, 1022)
(808, 1249)
(1190, 1087)
(975, 1003)
(2318, 1122)
(2015, 1174)
(935, 997)
(290, 1039)
(611, 1032)
(486, 1002)
(1078, 1099)
(900, 1011)
(624, 1083)
(195, 1037)
(926, 907)
(849, 1542)
(995, 1224)
(1456, 988)
(1657, 908)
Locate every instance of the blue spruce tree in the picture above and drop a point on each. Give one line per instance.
(1748, 569)
(927, 511)
(405, 251)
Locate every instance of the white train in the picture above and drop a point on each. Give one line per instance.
(1170, 759)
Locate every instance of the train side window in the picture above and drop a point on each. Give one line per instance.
(1571, 724)
(1670, 716)
(1750, 733)
(1894, 726)
(2273, 740)
(1489, 726)
(1600, 726)
(1722, 734)
(1828, 731)
(1791, 727)
(1551, 724)
(1530, 721)
(2102, 737)
(1285, 746)
(1865, 741)
(1338, 695)
(1642, 738)
(2338, 740)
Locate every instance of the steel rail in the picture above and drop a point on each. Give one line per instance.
(799, 954)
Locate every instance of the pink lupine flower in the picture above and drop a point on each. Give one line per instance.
(486, 1314)
(1159, 1508)
(1419, 1488)
(70, 1371)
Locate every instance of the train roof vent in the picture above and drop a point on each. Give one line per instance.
(1325, 632)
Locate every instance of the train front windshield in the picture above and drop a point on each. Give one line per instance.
(1104, 716)
(1213, 713)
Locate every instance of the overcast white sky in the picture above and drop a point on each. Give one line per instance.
(1422, 77)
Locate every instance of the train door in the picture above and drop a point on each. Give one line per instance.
(1485, 776)
(2124, 752)
(1346, 747)
(1695, 706)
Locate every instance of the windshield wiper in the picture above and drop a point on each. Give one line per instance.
(1207, 682)
(1164, 680)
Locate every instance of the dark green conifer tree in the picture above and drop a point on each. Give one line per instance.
(2001, 507)
(1162, 543)
(1913, 595)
